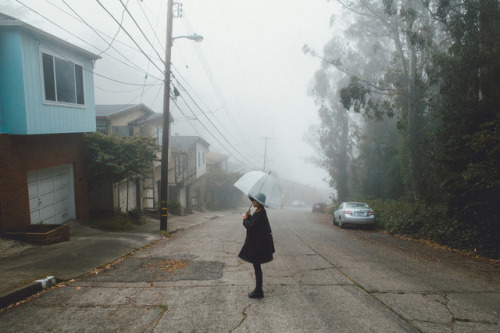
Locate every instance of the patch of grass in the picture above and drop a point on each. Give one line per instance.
(111, 223)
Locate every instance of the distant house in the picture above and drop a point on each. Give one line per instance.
(220, 182)
(130, 120)
(189, 153)
(217, 161)
(46, 106)
(235, 166)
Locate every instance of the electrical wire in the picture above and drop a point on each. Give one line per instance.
(117, 92)
(146, 16)
(114, 37)
(140, 29)
(84, 41)
(130, 36)
(219, 141)
(213, 125)
(201, 102)
(224, 146)
(157, 39)
(216, 88)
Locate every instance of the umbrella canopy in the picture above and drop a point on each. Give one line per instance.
(256, 183)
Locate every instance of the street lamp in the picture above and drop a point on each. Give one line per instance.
(166, 116)
(195, 37)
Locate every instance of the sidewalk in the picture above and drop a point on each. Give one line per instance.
(25, 268)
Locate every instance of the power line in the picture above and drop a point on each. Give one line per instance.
(215, 86)
(213, 125)
(82, 20)
(84, 41)
(219, 141)
(204, 113)
(130, 36)
(122, 82)
(140, 29)
(157, 21)
(120, 24)
(210, 121)
(157, 39)
(117, 92)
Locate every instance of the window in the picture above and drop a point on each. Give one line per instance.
(62, 80)
(180, 165)
(123, 130)
(102, 126)
(201, 158)
(159, 136)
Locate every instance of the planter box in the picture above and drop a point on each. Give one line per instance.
(42, 234)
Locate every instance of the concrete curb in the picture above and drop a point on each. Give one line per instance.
(20, 293)
(28, 290)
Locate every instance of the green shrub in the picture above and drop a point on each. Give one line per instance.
(330, 208)
(174, 208)
(435, 223)
(111, 223)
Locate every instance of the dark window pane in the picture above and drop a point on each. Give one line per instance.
(80, 99)
(65, 81)
(122, 130)
(48, 77)
(102, 126)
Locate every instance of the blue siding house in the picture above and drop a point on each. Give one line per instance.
(46, 106)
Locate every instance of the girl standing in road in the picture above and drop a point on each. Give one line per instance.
(259, 246)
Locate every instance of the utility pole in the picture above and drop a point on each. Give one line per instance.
(265, 152)
(166, 120)
(166, 109)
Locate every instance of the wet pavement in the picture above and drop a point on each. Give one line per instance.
(28, 269)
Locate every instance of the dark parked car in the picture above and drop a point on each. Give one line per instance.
(354, 214)
(319, 207)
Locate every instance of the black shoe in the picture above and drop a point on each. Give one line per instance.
(256, 294)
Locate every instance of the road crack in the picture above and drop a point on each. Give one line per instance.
(356, 283)
(156, 321)
(245, 316)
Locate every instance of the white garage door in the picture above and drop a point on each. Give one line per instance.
(51, 195)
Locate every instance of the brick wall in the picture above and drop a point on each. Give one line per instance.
(20, 154)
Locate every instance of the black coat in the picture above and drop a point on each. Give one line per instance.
(259, 245)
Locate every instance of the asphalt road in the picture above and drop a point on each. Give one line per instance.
(323, 279)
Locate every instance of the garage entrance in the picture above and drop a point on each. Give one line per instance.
(51, 195)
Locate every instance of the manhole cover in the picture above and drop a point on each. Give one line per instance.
(160, 269)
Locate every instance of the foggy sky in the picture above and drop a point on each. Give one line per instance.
(249, 76)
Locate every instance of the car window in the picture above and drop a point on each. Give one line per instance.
(357, 205)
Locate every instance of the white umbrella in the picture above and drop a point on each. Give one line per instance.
(256, 183)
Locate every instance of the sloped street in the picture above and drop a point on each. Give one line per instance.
(323, 279)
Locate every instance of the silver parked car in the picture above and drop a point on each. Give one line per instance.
(354, 213)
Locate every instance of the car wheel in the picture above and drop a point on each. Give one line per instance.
(340, 223)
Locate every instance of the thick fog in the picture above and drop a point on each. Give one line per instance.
(244, 85)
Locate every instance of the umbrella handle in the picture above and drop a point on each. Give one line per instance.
(249, 208)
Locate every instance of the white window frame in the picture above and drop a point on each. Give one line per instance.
(180, 165)
(42, 78)
(159, 135)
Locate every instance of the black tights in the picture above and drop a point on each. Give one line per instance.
(258, 277)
